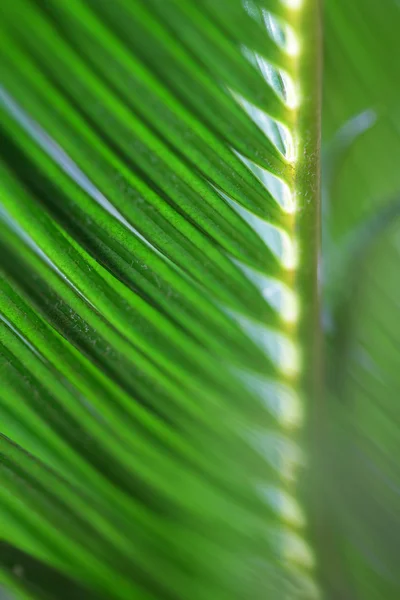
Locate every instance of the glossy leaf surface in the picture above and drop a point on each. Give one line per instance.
(159, 233)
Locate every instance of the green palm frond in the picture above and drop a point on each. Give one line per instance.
(159, 233)
(181, 416)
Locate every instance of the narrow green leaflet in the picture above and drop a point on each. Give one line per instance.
(159, 228)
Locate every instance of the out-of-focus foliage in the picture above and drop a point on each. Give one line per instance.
(361, 195)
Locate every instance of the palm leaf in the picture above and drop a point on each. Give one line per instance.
(159, 235)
